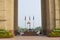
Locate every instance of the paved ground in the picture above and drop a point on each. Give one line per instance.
(31, 38)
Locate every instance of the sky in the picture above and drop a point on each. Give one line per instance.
(29, 8)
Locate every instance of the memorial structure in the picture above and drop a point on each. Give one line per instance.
(50, 15)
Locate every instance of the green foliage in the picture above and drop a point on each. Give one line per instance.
(5, 34)
(37, 28)
(25, 29)
(55, 33)
(22, 30)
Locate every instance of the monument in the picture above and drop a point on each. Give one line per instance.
(29, 32)
(50, 15)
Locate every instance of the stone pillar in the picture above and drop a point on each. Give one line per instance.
(15, 15)
(44, 21)
(51, 15)
(48, 15)
(57, 13)
(7, 15)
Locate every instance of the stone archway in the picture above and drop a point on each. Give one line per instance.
(44, 17)
(9, 12)
(9, 15)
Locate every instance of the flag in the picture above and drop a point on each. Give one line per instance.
(25, 17)
(29, 18)
(33, 17)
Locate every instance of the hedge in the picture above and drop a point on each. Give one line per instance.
(55, 33)
(5, 34)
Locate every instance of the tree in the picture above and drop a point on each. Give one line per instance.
(38, 28)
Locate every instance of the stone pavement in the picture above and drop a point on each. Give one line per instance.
(31, 38)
